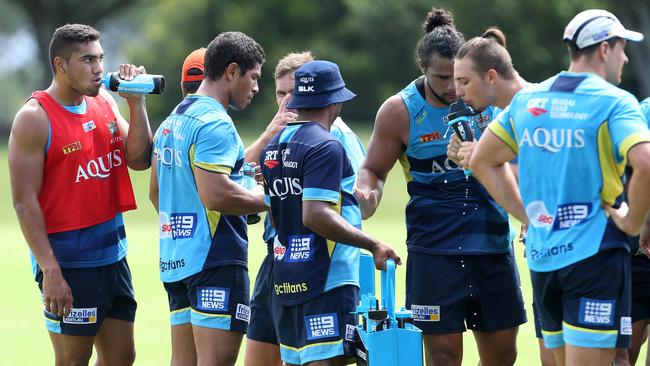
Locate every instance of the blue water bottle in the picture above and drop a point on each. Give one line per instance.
(249, 182)
(140, 84)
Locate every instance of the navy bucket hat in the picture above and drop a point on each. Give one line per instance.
(317, 85)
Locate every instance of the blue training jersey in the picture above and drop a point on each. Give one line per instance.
(305, 162)
(198, 134)
(448, 213)
(355, 152)
(572, 134)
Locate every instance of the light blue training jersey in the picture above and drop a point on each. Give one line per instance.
(198, 134)
(572, 134)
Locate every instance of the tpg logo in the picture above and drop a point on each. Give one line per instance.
(553, 140)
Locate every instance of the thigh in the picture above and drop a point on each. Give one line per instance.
(438, 290)
(115, 343)
(547, 296)
(498, 347)
(261, 353)
(597, 311)
(71, 349)
(183, 347)
(219, 298)
(497, 303)
(216, 346)
(319, 329)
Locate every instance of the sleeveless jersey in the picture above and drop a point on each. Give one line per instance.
(305, 162)
(198, 134)
(448, 213)
(86, 160)
(572, 134)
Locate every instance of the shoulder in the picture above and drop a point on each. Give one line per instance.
(31, 124)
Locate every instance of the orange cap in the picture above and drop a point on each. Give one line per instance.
(193, 61)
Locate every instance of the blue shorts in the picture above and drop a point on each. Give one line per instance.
(261, 326)
(447, 292)
(98, 293)
(318, 329)
(640, 287)
(213, 298)
(586, 304)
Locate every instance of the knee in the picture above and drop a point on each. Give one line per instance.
(505, 358)
(126, 358)
(73, 359)
(444, 357)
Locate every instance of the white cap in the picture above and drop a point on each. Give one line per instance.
(593, 26)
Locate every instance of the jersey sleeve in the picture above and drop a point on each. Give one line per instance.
(503, 127)
(645, 109)
(217, 147)
(323, 172)
(627, 127)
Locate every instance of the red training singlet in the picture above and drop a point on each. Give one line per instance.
(85, 177)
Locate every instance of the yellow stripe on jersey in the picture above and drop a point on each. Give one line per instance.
(630, 141)
(214, 168)
(610, 171)
(331, 245)
(406, 167)
(212, 216)
(503, 135)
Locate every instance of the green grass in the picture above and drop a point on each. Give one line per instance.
(24, 340)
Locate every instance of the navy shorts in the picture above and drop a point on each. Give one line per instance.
(586, 304)
(98, 293)
(261, 326)
(538, 322)
(447, 292)
(640, 287)
(318, 329)
(213, 298)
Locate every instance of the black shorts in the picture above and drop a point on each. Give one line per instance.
(447, 292)
(213, 298)
(586, 304)
(98, 293)
(640, 287)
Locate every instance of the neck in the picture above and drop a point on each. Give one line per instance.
(320, 116)
(584, 64)
(508, 90)
(432, 97)
(63, 94)
(217, 90)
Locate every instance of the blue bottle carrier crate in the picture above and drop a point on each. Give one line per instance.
(384, 337)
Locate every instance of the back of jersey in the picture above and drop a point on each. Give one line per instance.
(572, 134)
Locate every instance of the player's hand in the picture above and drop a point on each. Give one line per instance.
(368, 202)
(644, 238)
(259, 178)
(522, 233)
(282, 117)
(465, 153)
(381, 253)
(621, 219)
(452, 149)
(128, 72)
(57, 295)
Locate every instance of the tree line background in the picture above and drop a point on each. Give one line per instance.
(373, 41)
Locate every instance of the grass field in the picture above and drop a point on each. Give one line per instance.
(24, 340)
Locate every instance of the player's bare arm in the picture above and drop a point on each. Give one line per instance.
(319, 217)
(277, 124)
(219, 193)
(389, 137)
(136, 133)
(153, 182)
(27, 142)
(491, 168)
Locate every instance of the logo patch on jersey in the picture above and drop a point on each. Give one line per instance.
(166, 131)
(70, 148)
(433, 136)
(553, 140)
(420, 117)
(426, 313)
(538, 216)
(537, 106)
(99, 168)
(596, 312)
(300, 248)
(88, 126)
(271, 164)
(285, 159)
(212, 298)
(322, 326)
(177, 225)
(243, 313)
(81, 316)
(570, 215)
(284, 187)
(112, 128)
(626, 325)
(561, 109)
(278, 249)
(350, 332)
(482, 120)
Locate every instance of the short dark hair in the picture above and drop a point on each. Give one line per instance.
(229, 47)
(66, 37)
(575, 52)
(489, 52)
(440, 36)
